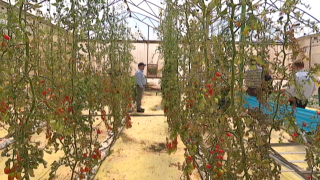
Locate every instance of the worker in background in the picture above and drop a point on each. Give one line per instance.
(257, 80)
(141, 82)
(303, 88)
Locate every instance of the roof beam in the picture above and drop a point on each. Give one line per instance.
(143, 21)
(146, 16)
(275, 6)
(130, 2)
(305, 13)
(154, 4)
(151, 22)
(141, 2)
(114, 2)
(152, 10)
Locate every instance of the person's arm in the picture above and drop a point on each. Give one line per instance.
(144, 78)
(290, 90)
(314, 87)
(139, 79)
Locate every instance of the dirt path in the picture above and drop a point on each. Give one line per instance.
(140, 154)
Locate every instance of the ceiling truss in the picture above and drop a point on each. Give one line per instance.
(152, 19)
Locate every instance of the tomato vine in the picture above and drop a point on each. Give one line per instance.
(62, 81)
(206, 48)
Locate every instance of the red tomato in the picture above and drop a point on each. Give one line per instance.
(87, 169)
(219, 164)
(7, 37)
(82, 170)
(218, 74)
(304, 124)
(7, 170)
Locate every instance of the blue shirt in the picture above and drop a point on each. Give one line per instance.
(140, 78)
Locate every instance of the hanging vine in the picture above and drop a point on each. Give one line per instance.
(62, 81)
(206, 48)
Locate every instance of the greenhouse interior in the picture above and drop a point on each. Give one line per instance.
(159, 89)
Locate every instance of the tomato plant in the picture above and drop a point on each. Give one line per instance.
(207, 45)
(58, 80)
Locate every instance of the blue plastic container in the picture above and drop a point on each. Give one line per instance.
(310, 117)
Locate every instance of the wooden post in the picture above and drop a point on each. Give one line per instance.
(310, 52)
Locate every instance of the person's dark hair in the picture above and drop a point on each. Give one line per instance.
(299, 64)
(141, 64)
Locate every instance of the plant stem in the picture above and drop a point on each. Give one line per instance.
(238, 121)
(73, 71)
(242, 39)
(29, 80)
(284, 75)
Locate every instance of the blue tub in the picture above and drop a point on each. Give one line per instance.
(310, 117)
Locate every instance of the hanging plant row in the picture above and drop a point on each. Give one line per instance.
(207, 45)
(62, 82)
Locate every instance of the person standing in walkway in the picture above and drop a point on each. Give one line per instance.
(303, 88)
(141, 82)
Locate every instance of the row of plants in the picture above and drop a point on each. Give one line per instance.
(60, 76)
(207, 46)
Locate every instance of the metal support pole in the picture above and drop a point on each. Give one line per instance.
(147, 53)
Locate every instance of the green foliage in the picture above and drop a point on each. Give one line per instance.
(57, 79)
(206, 49)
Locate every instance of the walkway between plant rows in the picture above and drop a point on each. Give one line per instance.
(140, 152)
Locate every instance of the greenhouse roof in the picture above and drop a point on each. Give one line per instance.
(143, 16)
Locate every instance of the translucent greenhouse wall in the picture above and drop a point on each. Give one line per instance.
(140, 53)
